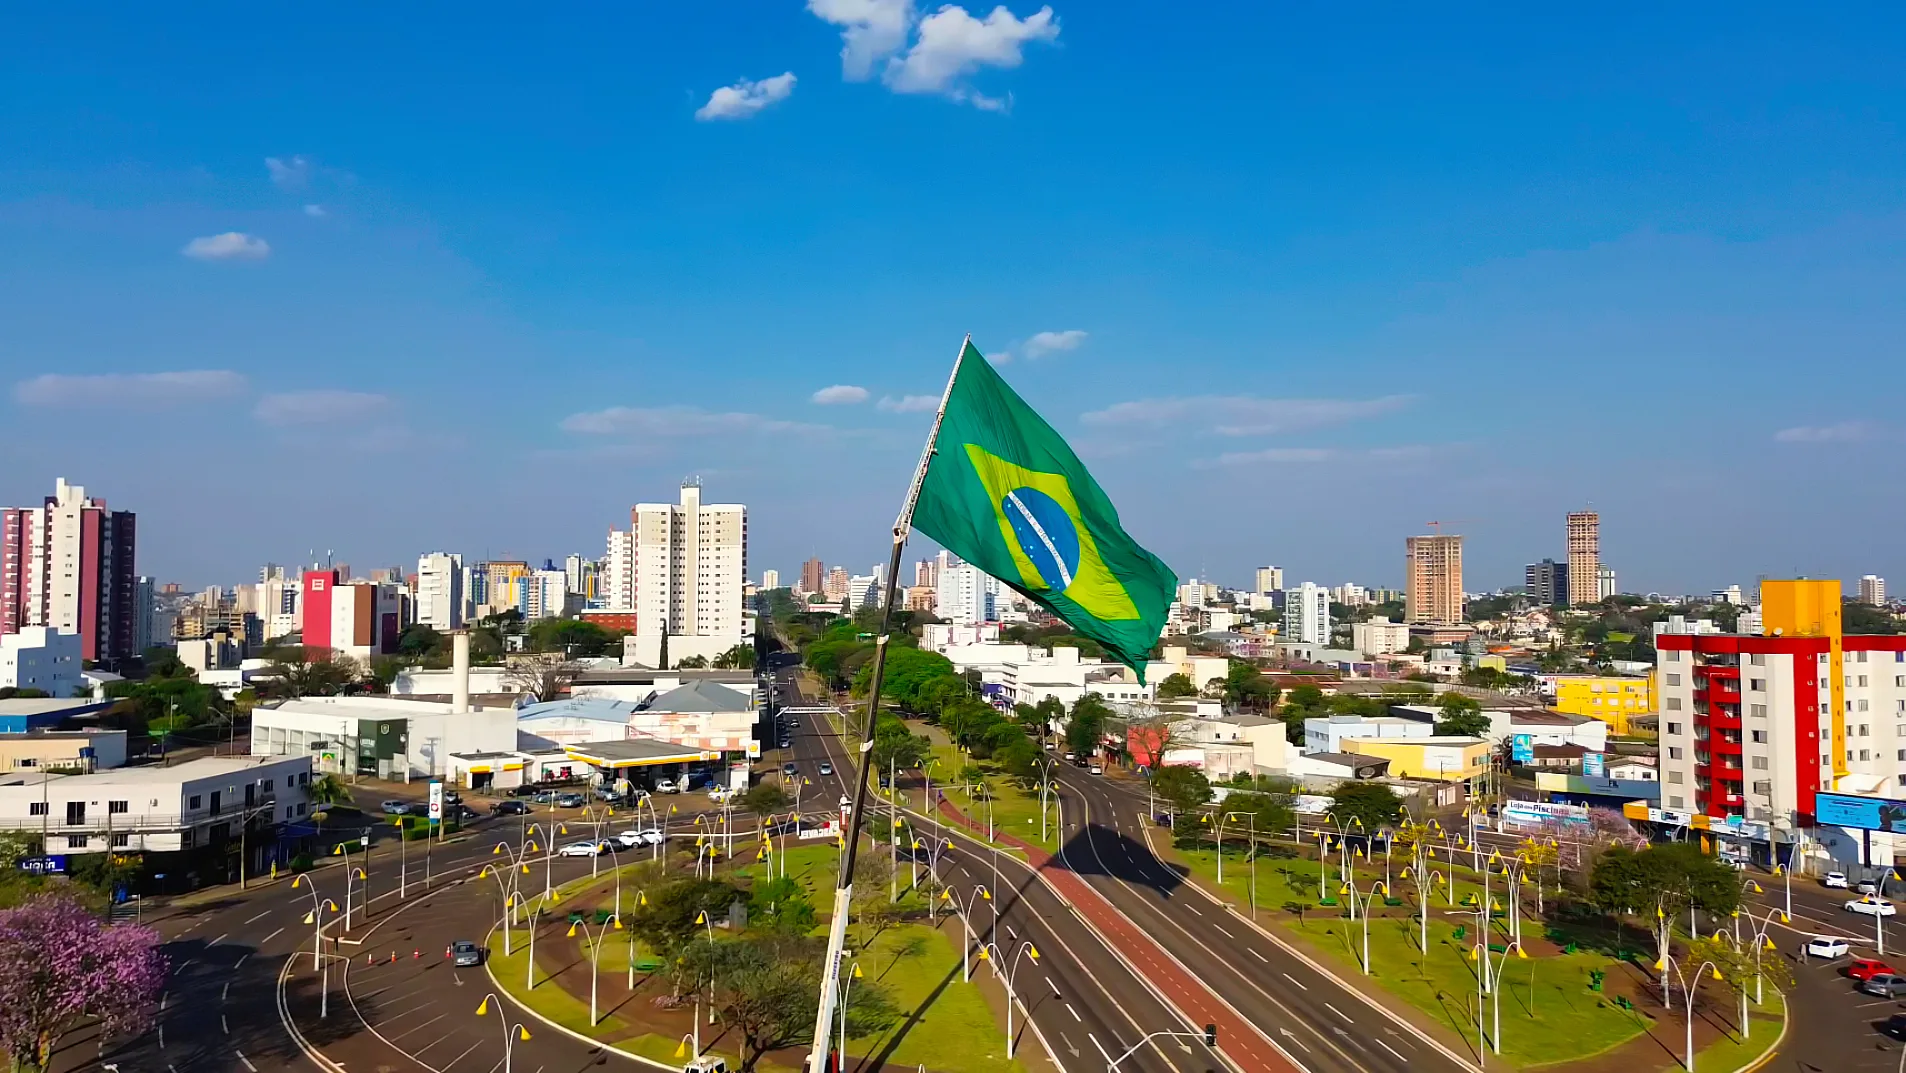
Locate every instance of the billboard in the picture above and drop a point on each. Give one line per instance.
(1864, 813)
(1594, 765)
(1522, 748)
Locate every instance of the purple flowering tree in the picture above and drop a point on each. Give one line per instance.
(60, 965)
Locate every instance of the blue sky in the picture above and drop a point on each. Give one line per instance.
(1294, 281)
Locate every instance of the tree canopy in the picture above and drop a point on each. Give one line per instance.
(1372, 803)
(1185, 789)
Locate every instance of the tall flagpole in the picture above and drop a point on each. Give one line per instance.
(844, 885)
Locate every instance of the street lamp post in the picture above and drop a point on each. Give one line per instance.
(1490, 982)
(992, 953)
(595, 956)
(846, 991)
(315, 918)
(511, 1032)
(1667, 963)
(506, 889)
(966, 923)
(1367, 899)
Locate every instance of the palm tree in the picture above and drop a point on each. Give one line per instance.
(329, 790)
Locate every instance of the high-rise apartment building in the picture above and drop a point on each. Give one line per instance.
(966, 594)
(440, 596)
(505, 587)
(144, 600)
(546, 595)
(813, 575)
(357, 619)
(1270, 579)
(1605, 582)
(1873, 590)
(835, 585)
(770, 579)
(926, 574)
(1546, 582)
(583, 578)
(69, 564)
(1307, 614)
(1433, 566)
(1584, 557)
(691, 559)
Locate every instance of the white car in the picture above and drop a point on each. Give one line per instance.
(667, 786)
(639, 837)
(1822, 946)
(718, 794)
(1866, 886)
(1097, 770)
(1835, 879)
(581, 849)
(1872, 907)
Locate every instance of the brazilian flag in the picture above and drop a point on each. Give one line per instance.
(1005, 492)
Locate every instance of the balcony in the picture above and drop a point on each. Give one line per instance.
(1721, 694)
(1725, 746)
(1734, 800)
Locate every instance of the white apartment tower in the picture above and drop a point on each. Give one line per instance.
(770, 579)
(966, 594)
(1270, 579)
(1307, 614)
(440, 595)
(1873, 590)
(690, 561)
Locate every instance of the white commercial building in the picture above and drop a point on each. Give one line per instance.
(1379, 637)
(1542, 727)
(379, 736)
(964, 593)
(1307, 614)
(1270, 579)
(205, 802)
(1327, 734)
(440, 592)
(43, 658)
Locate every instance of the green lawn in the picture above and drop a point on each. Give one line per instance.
(952, 1031)
(1548, 1012)
(1732, 1053)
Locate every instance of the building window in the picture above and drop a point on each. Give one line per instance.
(1674, 679)
(1758, 684)
(192, 802)
(1757, 660)
(1862, 677)
(121, 841)
(1674, 776)
(1865, 755)
(1674, 704)
(1674, 728)
(75, 841)
(1676, 802)
(115, 806)
(38, 808)
(1674, 752)
(1758, 711)
(1863, 727)
(1759, 737)
(1760, 763)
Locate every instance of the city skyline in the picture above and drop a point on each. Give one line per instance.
(353, 302)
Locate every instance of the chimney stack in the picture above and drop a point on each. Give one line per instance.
(460, 663)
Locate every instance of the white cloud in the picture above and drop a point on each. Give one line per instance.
(129, 389)
(314, 210)
(1244, 415)
(840, 394)
(321, 407)
(1844, 432)
(230, 246)
(871, 31)
(288, 173)
(1047, 342)
(953, 44)
(1277, 454)
(1003, 357)
(908, 404)
(669, 421)
(746, 97)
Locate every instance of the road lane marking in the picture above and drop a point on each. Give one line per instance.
(464, 1055)
(241, 959)
(220, 939)
(224, 1025)
(259, 917)
(1338, 1012)
(247, 1061)
(1221, 929)
(1260, 957)
(1194, 910)
(1074, 1013)
(225, 993)
(1389, 1048)
(270, 937)
(1289, 977)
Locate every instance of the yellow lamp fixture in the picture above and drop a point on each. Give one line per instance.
(1032, 951)
(483, 1008)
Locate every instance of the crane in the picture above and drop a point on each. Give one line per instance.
(1438, 525)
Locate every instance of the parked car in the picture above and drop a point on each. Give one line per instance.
(544, 797)
(1872, 907)
(667, 786)
(1885, 985)
(720, 794)
(788, 771)
(1834, 879)
(1097, 770)
(465, 953)
(1895, 1026)
(1867, 886)
(570, 801)
(512, 807)
(1867, 968)
(633, 837)
(581, 849)
(451, 797)
(826, 768)
(396, 808)
(1824, 946)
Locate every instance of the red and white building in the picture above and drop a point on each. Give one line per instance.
(357, 619)
(68, 564)
(1748, 723)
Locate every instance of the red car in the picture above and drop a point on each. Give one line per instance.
(1867, 968)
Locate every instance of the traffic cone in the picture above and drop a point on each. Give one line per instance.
(415, 954)
(370, 959)
(446, 951)
(393, 957)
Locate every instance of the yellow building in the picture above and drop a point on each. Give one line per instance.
(1611, 699)
(1445, 758)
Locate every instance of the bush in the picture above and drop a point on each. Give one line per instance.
(301, 863)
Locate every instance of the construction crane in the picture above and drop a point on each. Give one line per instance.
(1438, 525)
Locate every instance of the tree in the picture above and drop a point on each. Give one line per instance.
(740, 657)
(301, 671)
(571, 638)
(1462, 716)
(1185, 789)
(419, 640)
(692, 663)
(1245, 687)
(1174, 686)
(1662, 882)
(765, 799)
(782, 906)
(764, 989)
(898, 750)
(22, 693)
(60, 965)
(328, 789)
(541, 677)
(1152, 738)
(1372, 803)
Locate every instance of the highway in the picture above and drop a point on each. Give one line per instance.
(1331, 1027)
(1085, 1001)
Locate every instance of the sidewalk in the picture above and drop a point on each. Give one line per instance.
(1240, 1040)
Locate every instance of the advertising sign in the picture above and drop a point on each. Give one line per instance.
(1541, 813)
(1594, 765)
(44, 866)
(830, 829)
(436, 801)
(1864, 813)
(1522, 748)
